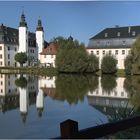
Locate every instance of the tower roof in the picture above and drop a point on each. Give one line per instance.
(23, 22)
(39, 25)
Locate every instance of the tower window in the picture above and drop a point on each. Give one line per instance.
(0, 47)
(0, 55)
(8, 48)
(97, 52)
(103, 52)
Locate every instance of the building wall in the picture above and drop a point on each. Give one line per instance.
(120, 56)
(2, 55)
(10, 51)
(48, 59)
(118, 92)
(23, 39)
(40, 40)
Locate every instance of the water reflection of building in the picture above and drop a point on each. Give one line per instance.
(21, 96)
(12, 97)
(47, 85)
(108, 101)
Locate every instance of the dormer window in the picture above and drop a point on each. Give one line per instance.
(124, 42)
(133, 33)
(118, 34)
(106, 34)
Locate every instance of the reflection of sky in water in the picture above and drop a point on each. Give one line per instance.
(56, 110)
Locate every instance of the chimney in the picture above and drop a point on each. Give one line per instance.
(129, 29)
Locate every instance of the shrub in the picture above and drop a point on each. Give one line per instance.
(109, 64)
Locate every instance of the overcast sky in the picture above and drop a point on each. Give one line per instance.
(81, 19)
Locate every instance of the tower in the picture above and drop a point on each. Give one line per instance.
(23, 35)
(39, 37)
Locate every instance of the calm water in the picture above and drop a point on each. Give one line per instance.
(33, 107)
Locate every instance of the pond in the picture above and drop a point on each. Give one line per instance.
(34, 106)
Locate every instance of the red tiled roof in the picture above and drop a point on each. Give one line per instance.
(50, 50)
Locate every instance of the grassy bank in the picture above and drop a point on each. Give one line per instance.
(44, 71)
(29, 70)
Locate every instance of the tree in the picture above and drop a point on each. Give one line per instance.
(93, 63)
(21, 82)
(72, 57)
(109, 64)
(134, 63)
(128, 64)
(21, 58)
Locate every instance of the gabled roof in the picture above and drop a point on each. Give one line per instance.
(125, 32)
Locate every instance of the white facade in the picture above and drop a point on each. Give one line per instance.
(48, 60)
(119, 53)
(23, 40)
(40, 41)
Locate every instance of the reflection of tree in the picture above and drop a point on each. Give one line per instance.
(132, 86)
(73, 88)
(92, 82)
(40, 111)
(24, 116)
(21, 82)
(108, 83)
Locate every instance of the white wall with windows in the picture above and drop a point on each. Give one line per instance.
(119, 53)
(48, 60)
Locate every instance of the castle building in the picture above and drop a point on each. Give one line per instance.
(14, 40)
(116, 41)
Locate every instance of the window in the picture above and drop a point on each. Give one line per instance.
(109, 52)
(8, 56)
(97, 52)
(118, 34)
(1, 90)
(0, 63)
(124, 42)
(103, 52)
(0, 47)
(116, 51)
(8, 63)
(0, 55)
(51, 56)
(15, 49)
(91, 52)
(123, 51)
(1, 83)
(8, 48)
(9, 83)
(44, 56)
(133, 33)
(33, 51)
(115, 93)
(105, 34)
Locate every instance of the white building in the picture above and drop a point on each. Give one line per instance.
(116, 41)
(13, 41)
